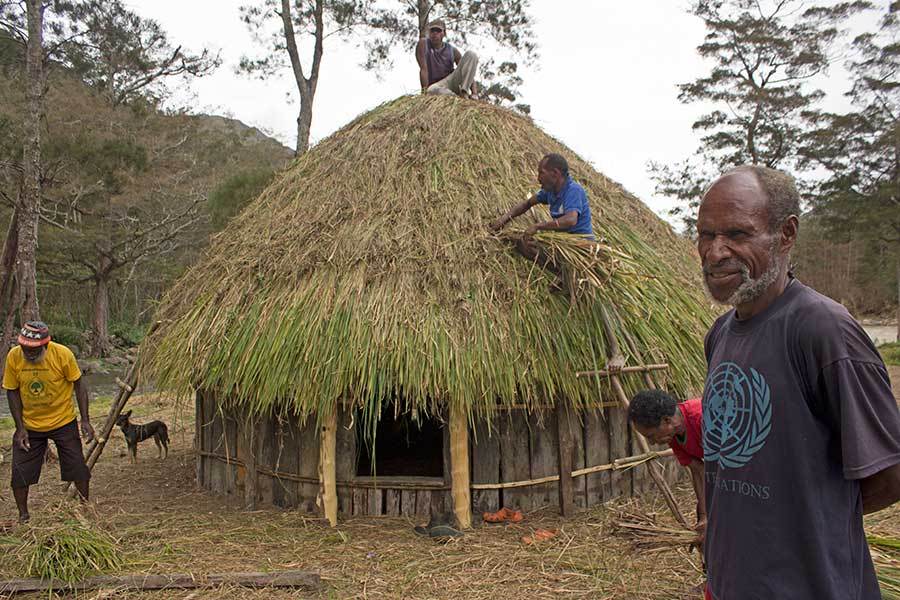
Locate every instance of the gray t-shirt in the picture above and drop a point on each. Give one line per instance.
(797, 409)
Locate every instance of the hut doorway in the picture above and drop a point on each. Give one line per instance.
(402, 447)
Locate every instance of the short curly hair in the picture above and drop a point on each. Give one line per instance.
(649, 407)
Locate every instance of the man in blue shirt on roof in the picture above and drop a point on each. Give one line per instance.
(569, 210)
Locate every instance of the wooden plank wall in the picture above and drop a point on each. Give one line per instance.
(519, 447)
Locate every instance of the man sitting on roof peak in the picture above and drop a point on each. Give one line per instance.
(442, 69)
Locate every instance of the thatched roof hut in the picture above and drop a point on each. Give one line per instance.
(363, 287)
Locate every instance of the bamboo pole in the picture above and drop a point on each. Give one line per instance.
(639, 369)
(613, 354)
(327, 478)
(459, 466)
(126, 388)
(617, 465)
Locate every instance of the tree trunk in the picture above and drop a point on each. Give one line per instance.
(898, 295)
(424, 12)
(26, 266)
(304, 124)
(100, 316)
(8, 287)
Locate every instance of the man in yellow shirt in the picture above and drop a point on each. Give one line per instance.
(39, 378)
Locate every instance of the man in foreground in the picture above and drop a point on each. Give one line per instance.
(442, 69)
(801, 431)
(39, 378)
(663, 420)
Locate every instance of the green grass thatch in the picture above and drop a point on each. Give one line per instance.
(366, 271)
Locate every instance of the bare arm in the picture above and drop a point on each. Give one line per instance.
(423, 66)
(697, 480)
(456, 55)
(81, 394)
(512, 213)
(881, 489)
(564, 223)
(20, 437)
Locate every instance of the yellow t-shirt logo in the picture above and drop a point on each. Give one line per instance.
(36, 388)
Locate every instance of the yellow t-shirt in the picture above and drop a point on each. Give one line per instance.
(46, 387)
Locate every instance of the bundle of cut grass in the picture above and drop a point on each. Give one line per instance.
(886, 556)
(646, 534)
(367, 273)
(64, 546)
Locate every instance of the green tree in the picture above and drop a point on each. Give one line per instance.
(764, 54)
(283, 26)
(860, 152)
(233, 194)
(504, 26)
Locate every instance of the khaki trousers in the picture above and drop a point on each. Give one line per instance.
(460, 81)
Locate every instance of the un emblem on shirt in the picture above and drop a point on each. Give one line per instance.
(737, 415)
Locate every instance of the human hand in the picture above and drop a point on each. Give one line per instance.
(498, 224)
(87, 430)
(532, 229)
(20, 440)
(700, 528)
(615, 364)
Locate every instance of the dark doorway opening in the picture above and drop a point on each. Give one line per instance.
(402, 448)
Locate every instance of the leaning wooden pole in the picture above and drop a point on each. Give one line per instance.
(653, 466)
(459, 466)
(126, 388)
(327, 478)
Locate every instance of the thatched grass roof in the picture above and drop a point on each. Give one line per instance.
(366, 272)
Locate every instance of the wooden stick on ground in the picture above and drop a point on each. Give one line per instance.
(299, 579)
(653, 466)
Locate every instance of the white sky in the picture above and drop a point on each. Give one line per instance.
(604, 84)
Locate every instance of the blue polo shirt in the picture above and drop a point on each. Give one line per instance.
(571, 197)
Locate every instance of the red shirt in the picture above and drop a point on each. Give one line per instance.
(692, 448)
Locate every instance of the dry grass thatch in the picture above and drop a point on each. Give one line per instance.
(367, 271)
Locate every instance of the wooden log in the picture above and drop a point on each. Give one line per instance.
(596, 452)
(485, 465)
(408, 503)
(392, 502)
(360, 502)
(298, 579)
(198, 436)
(566, 459)
(345, 466)
(328, 482)
(514, 455)
(459, 459)
(309, 467)
(375, 502)
(423, 504)
(544, 457)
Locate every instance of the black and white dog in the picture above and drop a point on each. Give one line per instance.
(138, 433)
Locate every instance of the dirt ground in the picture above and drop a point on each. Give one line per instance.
(165, 524)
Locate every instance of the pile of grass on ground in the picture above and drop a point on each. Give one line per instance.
(890, 353)
(62, 544)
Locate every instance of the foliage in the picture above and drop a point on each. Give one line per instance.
(389, 287)
(504, 29)
(126, 56)
(890, 353)
(764, 55)
(65, 334)
(233, 194)
(859, 196)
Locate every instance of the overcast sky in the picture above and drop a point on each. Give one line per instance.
(604, 84)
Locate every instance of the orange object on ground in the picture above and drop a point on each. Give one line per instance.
(504, 515)
(539, 535)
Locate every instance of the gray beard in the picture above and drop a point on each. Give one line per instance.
(750, 289)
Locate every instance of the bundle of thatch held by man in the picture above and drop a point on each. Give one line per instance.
(366, 273)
